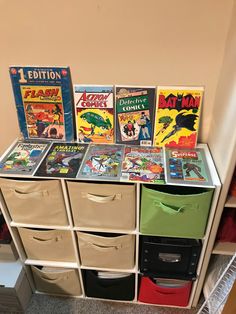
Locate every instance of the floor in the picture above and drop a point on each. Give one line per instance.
(42, 304)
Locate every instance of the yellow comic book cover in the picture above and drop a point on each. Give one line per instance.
(177, 116)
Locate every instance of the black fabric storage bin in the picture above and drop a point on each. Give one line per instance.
(116, 289)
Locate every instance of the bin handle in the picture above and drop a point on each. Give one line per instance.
(26, 195)
(51, 279)
(105, 248)
(44, 240)
(101, 199)
(168, 209)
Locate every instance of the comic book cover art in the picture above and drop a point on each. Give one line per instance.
(143, 164)
(94, 113)
(102, 162)
(23, 158)
(177, 116)
(187, 167)
(62, 160)
(44, 102)
(134, 115)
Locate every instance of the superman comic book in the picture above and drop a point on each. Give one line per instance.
(134, 115)
(94, 114)
(177, 116)
(44, 102)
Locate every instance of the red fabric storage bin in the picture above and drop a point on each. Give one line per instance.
(227, 228)
(150, 292)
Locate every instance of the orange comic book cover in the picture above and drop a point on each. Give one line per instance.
(43, 111)
(177, 116)
(94, 114)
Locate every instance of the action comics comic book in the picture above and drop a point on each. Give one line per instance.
(44, 102)
(94, 113)
(23, 158)
(143, 164)
(62, 160)
(177, 116)
(102, 162)
(134, 115)
(187, 166)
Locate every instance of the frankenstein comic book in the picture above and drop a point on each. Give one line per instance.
(44, 102)
(102, 162)
(134, 115)
(94, 113)
(177, 116)
(144, 164)
(23, 158)
(62, 160)
(187, 166)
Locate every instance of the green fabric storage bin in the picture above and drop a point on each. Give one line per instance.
(174, 211)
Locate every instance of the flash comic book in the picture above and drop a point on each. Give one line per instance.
(143, 164)
(134, 115)
(102, 162)
(23, 158)
(94, 113)
(62, 160)
(177, 116)
(44, 102)
(187, 166)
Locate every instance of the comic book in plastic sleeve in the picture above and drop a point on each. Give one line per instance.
(187, 167)
(94, 112)
(102, 161)
(44, 102)
(177, 116)
(24, 157)
(62, 160)
(143, 164)
(134, 115)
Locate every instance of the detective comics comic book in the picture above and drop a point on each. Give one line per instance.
(177, 116)
(62, 160)
(187, 166)
(102, 162)
(23, 158)
(143, 164)
(134, 115)
(44, 102)
(94, 113)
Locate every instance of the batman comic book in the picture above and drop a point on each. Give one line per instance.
(94, 113)
(44, 102)
(177, 116)
(62, 160)
(187, 166)
(143, 164)
(102, 162)
(23, 158)
(134, 115)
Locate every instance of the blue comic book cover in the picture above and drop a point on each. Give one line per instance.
(44, 102)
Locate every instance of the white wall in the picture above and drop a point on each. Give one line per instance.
(117, 42)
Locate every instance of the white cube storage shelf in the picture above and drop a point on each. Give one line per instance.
(62, 226)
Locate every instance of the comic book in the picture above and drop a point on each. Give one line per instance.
(143, 164)
(62, 160)
(102, 162)
(187, 166)
(177, 116)
(134, 115)
(23, 158)
(44, 102)
(94, 113)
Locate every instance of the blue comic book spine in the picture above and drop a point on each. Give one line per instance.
(44, 102)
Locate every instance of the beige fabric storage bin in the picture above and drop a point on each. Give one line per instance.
(107, 252)
(35, 202)
(64, 281)
(98, 205)
(48, 245)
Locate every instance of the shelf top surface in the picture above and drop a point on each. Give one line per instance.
(9, 273)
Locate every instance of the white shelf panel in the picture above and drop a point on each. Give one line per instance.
(133, 270)
(18, 224)
(9, 273)
(231, 201)
(51, 263)
(224, 248)
(87, 229)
